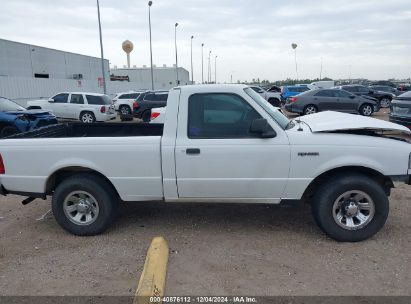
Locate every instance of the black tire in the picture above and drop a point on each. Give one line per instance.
(310, 109)
(385, 102)
(124, 110)
(8, 131)
(329, 192)
(87, 117)
(275, 102)
(366, 109)
(146, 116)
(105, 196)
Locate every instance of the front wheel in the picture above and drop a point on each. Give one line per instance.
(350, 208)
(84, 204)
(366, 110)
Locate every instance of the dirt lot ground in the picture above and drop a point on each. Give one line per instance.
(214, 250)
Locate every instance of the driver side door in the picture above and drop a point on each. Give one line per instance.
(59, 105)
(218, 157)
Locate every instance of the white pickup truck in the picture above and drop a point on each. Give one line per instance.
(219, 143)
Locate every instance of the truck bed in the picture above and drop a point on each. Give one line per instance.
(74, 129)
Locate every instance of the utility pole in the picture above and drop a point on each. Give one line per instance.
(321, 69)
(209, 68)
(101, 49)
(150, 3)
(202, 63)
(215, 69)
(175, 41)
(192, 73)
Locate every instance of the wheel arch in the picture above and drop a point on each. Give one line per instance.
(62, 173)
(377, 176)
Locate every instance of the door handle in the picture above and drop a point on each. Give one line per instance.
(193, 151)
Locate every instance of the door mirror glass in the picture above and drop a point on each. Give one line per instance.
(352, 96)
(371, 92)
(261, 126)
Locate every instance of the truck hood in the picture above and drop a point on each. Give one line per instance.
(330, 121)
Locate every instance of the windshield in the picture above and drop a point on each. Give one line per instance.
(279, 117)
(7, 105)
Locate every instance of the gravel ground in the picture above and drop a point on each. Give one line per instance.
(214, 250)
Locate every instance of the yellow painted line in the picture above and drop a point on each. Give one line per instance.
(153, 278)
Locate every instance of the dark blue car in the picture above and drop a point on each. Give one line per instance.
(16, 119)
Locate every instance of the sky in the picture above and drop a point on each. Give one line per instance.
(251, 39)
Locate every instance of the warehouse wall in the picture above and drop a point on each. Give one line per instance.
(25, 60)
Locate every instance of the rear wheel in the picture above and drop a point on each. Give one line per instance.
(87, 117)
(125, 110)
(310, 109)
(350, 208)
(84, 204)
(366, 110)
(385, 102)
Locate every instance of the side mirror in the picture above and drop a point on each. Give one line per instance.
(352, 96)
(371, 92)
(261, 126)
(51, 100)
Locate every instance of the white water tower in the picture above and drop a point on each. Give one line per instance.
(128, 48)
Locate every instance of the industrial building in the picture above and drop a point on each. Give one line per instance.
(32, 72)
(164, 77)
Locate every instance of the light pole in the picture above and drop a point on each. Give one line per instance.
(202, 63)
(192, 75)
(209, 68)
(321, 69)
(215, 69)
(175, 42)
(101, 49)
(150, 3)
(294, 46)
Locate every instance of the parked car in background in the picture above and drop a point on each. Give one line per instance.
(274, 98)
(387, 89)
(384, 98)
(147, 101)
(86, 107)
(401, 110)
(123, 102)
(289, 91)
(16, 119)
(314, 101)
(384, 83)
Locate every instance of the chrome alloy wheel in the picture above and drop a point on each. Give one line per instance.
(81, 208)
(367, 110)
(310, 110)
(385, 102)
(353, 210)
(87, 118)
